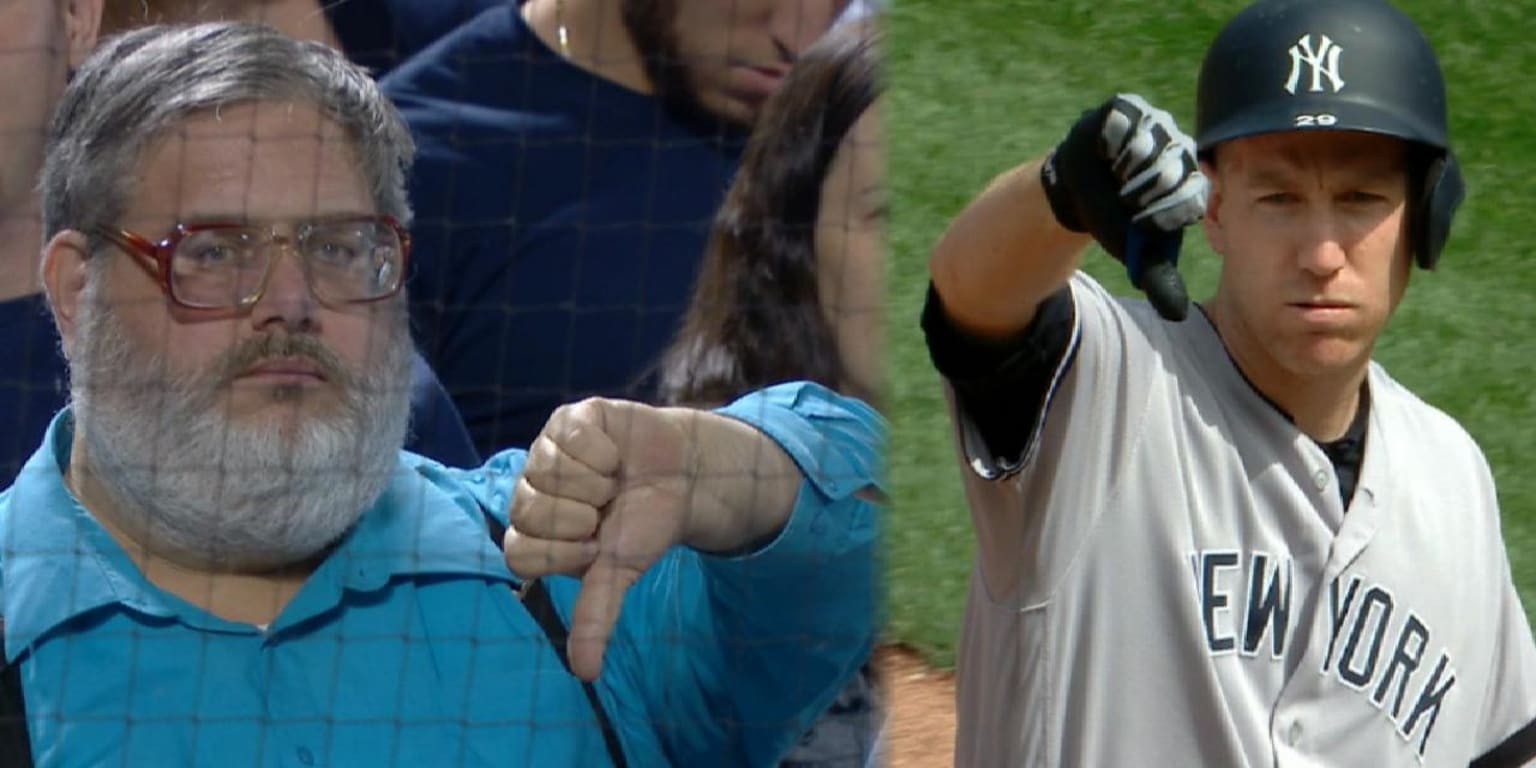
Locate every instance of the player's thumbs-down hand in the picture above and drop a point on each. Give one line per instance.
(1127, 175)
(609, 486)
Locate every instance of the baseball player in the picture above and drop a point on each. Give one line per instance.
(1231, 539)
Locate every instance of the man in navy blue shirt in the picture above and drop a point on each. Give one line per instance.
(42, 41)
(573, 153)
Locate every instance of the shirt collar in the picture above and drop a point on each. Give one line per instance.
(57, 562)
(1349, 447)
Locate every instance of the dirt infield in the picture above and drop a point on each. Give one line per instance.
(921, 729)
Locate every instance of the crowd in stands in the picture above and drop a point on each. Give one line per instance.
(673, 203)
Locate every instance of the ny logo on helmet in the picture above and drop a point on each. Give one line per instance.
(1324, 62)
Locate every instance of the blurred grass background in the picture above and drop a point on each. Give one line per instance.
(981, 85)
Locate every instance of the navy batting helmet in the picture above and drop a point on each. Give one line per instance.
(1344, 65)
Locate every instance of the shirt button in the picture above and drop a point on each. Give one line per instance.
(1320, 477)
(305, 756)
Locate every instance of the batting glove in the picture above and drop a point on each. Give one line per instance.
(1128, 176)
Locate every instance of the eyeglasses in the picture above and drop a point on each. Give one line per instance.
(350, 260)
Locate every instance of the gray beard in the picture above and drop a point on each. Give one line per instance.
(199, 489)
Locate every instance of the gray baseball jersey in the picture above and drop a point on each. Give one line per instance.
(1168, 576)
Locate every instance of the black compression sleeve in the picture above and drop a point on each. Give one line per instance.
(1003, 384)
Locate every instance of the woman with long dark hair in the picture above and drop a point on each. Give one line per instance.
(790, 288)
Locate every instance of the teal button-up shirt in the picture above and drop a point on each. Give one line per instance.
(409, 647)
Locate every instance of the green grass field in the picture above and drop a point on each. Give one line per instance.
(981, 85)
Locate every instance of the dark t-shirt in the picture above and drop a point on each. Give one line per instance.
(437, 432)
(379, 34)
(560, 221)
(33, 383)
(34, 386)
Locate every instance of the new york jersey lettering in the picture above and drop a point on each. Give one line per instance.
(1391, 674)
(1243, 600)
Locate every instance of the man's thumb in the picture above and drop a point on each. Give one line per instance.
(594, 615)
